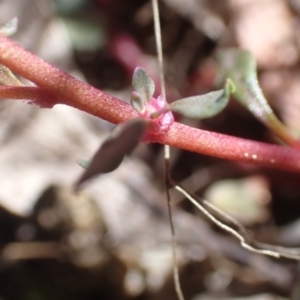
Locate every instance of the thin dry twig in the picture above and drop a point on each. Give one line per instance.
(158, 38)
(245, 239)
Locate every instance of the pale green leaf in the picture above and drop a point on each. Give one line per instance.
(7, 77)
(203, 106)
(83, 163)
(10, 27)
(137, 101)
(143, 85)
(239, 65)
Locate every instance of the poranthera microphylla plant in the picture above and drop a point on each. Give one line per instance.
(150, 119)
(54, 86)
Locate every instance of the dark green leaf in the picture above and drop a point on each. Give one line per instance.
(202, 106)
(109, 156)
(239, 65)
(143, 85)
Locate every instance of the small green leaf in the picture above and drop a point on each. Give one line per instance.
(203, 106)
(240, 66)
(83, 163)
(143, 85)
(10, 27)
(109, 156)
(137, 101)
(7, 77)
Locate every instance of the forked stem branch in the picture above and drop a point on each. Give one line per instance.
(75, 93)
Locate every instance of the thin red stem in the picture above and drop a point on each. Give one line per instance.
(70, 90)
(78, 94)
(35, 94)
(230, 147)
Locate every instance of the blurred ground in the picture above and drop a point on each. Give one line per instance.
(113, 240)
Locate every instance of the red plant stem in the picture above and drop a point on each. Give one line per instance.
(230, 147)
(35, 94)
(78, 94)
(68, 89)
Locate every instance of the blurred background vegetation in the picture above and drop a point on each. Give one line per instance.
(113, 240)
